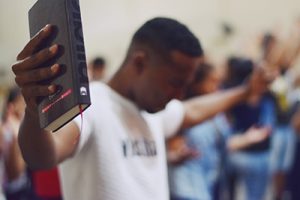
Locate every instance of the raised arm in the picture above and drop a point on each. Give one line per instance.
(201, 108)
(40, 149)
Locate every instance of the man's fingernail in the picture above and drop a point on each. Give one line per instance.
(55, 67)
(51, 88)
(46, 27)
(53, 48)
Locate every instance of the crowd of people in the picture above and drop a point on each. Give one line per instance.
(169, 124)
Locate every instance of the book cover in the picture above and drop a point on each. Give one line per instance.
(72, 96)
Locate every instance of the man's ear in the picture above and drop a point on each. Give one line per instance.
(139, 61)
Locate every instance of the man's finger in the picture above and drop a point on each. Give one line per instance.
(38, 90)
(32, 46)
(37, 75)
(35, 60)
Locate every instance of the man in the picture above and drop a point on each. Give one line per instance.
(121, 150)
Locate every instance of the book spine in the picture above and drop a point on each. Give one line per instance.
(81, 83)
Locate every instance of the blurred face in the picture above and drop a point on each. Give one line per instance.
(95, 73)
(271, 46)
(162, 81)
(210, 84)
(19, 107)
(98, 74)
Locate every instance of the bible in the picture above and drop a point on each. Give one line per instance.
(72, 95)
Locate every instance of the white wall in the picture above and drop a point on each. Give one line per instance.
(108, 25)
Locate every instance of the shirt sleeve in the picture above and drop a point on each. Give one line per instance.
(172, 117)
(85, 124)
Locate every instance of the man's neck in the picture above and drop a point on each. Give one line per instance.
(121, 84)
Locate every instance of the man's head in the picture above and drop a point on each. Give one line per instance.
(207, 80)
(239, 70)
(268, 44)
(14, 105)
(96, 69)
(163, 56)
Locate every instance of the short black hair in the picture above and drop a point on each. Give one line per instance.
(239, 69)
(165, 34)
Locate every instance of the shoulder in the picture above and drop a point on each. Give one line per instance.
(98, 87)
(173, 108)
(100, 93)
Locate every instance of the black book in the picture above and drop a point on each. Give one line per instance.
(72, 96)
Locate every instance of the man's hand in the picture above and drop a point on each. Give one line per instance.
(260, 79)
(29, 69)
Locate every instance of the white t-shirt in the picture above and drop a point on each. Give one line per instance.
(121, 154)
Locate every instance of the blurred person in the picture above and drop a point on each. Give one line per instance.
(268, 46)
(21, 184)
(249, 166)
(196, 156)
(120, 152)
(16, 180)
(283, 140)
(97, 69)
(293, 176)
